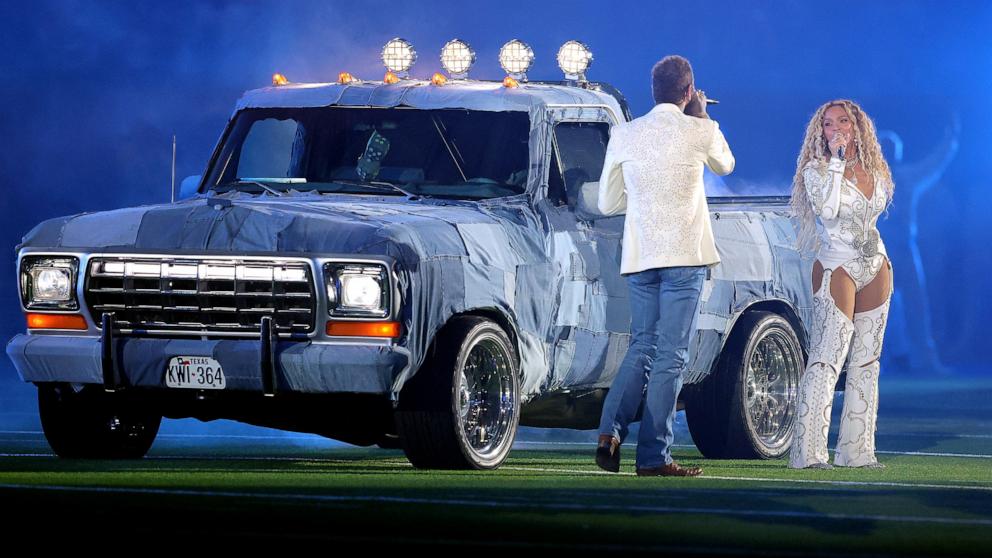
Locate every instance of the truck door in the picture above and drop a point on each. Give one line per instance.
(591, 321)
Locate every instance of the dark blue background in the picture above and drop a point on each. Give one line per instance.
(92, 93)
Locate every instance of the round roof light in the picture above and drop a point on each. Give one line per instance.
(398, 56)
(574, 58)
(516, 58)
(457, 57)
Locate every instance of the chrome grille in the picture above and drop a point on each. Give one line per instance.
(201, 295)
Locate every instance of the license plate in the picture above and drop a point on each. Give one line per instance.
(194, 372)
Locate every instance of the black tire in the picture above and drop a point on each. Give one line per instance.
(746, 409)
(439, 427)
(90, 425)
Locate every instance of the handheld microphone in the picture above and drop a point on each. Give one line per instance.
(840, 150)
(712, 102)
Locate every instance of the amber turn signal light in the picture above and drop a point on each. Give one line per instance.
(279, 79)
(364, 329)
(391, 78)
(55, 321)
(439, 79)
(510, 82)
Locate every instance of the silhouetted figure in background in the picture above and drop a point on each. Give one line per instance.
(918, 351)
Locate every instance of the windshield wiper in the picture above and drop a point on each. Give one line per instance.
(378, 185)
(261, 185)
(441, 130)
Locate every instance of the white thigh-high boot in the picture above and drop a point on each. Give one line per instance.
(856, 441)
(830, 339)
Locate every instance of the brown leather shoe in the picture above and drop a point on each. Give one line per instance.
(608, 453)
(673, 469)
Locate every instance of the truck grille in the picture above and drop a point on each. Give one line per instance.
(201, 295)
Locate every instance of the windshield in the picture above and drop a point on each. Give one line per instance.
(438, 153)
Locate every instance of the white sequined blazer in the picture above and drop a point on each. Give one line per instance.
(654, 171)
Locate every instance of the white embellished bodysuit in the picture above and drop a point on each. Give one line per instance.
(846, 221)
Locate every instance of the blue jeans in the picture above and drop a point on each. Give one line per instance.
(664, 305)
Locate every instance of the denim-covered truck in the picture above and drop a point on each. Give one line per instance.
(418, 264)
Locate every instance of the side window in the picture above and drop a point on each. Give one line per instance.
(268, 149)
(580, 150)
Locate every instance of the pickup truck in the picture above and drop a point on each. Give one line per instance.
(417, 264)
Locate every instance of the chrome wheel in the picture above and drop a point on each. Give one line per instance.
(486, 398)
(771, 387)
(746, 408)
(461, 410)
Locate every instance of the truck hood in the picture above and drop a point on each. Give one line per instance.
(303, 223)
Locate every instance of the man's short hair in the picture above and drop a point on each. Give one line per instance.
(670, 78)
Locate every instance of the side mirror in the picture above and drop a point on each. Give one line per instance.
(587, 206)
(187, 188)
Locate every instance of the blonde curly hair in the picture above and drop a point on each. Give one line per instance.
(816, 152)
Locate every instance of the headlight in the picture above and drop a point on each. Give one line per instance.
(357, 290)
(49, 283)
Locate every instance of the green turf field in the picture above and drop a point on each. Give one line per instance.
(918, 505)
(934, 498)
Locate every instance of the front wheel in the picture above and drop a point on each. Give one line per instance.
(462, 408)
(89, 424)
(746, 409)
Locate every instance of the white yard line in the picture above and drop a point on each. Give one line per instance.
(588, 472)
(689, 446)
(935, 454)
(935, 435)
(329, 498)
(771, 480)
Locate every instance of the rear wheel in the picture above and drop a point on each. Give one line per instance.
(462, 408)
(747, 408)
(89, 424)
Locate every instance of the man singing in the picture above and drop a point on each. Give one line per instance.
(654, 171)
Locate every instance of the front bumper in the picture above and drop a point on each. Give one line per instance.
(299, 366)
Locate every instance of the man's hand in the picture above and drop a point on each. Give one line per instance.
(697, 106)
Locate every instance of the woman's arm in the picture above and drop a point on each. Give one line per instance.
(823, 187)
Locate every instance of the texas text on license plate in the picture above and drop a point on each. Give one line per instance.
(194, 372)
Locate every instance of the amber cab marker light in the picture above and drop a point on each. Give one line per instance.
(56, 321)
(345, 78)
(510, 82)
(391, 78)
(364, 329)
(439, 79)
(279, 79)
